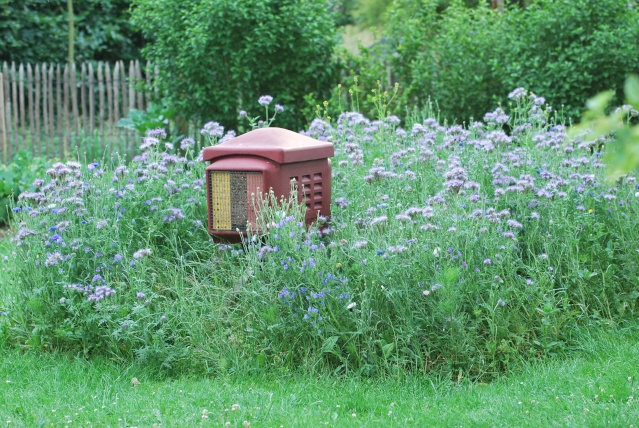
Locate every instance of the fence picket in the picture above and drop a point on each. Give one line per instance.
(52, 121)
(48, 109)
(66, 111)
(45, 109)
(107, 75)
(91, 102)
(101, 104)
(3, 126)
(59, 106)
(138, 85)
(147, 94)
(30, 106)
(116, 107)
(83, 96)
(6, 107)
(36, 141)
(73, 97)
(22, 109)
(14, 98)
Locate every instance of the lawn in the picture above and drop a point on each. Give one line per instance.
(595, 387)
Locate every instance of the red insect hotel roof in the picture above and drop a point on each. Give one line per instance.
(279, 145)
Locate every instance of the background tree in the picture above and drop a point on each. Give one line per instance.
(217, 57)
(37, 31)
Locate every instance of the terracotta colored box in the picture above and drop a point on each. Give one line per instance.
(249, 166)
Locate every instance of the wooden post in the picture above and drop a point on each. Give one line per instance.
(107, 74)
(147, 90)
(101, 99)
(14, 97)
(6, 89)
(83, 97)
(5, 151)
(91, 102)
(116, 107)
(138, 85)
(36, 140)
(23, 122)
(67, 113)
(45, 111)
(52, 131)
(73, 92)
(30, 104)
(58, 105)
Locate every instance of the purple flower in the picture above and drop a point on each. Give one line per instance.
(265, 100)
(212, 129)
(187, 143)
(174, 214)
(488, 261)
(157, 132)
(149, 142)
(279, 108)
(140, 295)
(242, 113)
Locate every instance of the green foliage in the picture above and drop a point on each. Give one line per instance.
(37, 31)
(623, 154)
(217, 57)
(371, 13)
(93, 289)
(157, 115)
(17, 177)
(469, 59)
(458, 251)
(570, 50)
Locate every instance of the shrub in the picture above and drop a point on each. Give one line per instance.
(570, 50)
(216, 57)
(37, 31)
(469, 59)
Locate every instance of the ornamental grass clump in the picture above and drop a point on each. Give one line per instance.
(450, 249)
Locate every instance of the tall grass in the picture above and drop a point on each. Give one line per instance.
(456, 250)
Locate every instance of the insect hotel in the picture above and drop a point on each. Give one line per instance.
(245, 169)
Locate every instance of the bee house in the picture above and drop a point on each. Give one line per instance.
(246, 168)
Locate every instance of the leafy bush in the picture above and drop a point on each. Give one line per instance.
(37, 31)
(449, 249)
(216, 57)
(469, 59)
(17, 177)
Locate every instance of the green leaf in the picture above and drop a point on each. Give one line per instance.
(329, 344)
(600, 101)
(631, 89)
(387, 349)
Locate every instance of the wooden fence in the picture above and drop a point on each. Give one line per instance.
(64, 111)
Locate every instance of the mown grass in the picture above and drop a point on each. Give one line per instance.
(594, 388)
